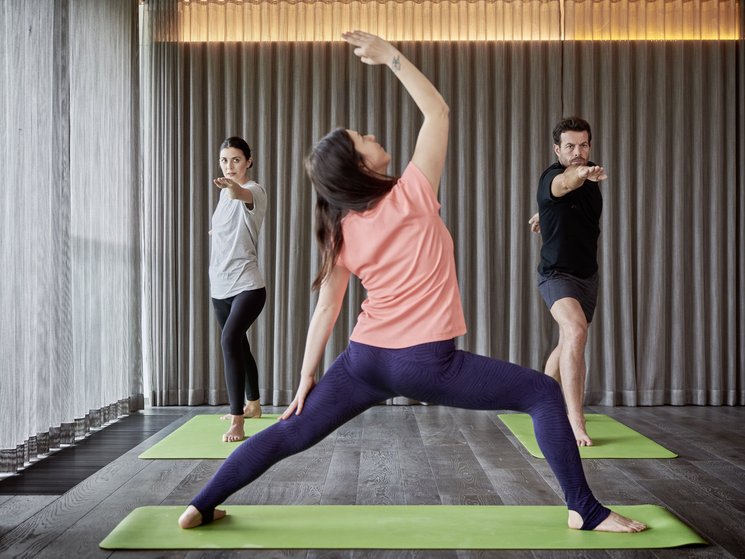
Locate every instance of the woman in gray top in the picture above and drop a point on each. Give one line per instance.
(236, 284)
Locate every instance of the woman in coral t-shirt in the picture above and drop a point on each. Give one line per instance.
(388, 232)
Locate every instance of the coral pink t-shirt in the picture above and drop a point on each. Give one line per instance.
(403, 254)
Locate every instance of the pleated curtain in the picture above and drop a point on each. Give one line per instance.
(111, 116)
(660, 82)
(70, 353)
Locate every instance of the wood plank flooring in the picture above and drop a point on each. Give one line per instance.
(65, 468)
(411, 455)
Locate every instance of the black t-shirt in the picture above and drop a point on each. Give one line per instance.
(570, 226)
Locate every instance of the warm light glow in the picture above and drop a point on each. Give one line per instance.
(443, 20)
(653, 20)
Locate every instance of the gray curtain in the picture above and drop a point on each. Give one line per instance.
(671, 302)
(107, 197)
(668, 126)
(70, 353)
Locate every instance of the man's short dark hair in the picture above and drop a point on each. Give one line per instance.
(571, 124)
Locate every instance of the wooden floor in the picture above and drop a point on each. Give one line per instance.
(66, 468)
(412, 455)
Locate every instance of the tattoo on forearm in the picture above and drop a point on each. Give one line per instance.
(396, 63)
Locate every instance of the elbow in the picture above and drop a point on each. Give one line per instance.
(327, 311)
(437, 109)
(324, 308)
(443, 111)
(439, 114)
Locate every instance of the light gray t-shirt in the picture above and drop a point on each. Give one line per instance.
(234, 265)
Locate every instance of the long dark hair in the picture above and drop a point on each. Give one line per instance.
(342, 184)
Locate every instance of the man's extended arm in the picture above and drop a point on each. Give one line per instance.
(574, 177)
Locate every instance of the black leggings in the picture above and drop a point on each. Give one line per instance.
(235, 315)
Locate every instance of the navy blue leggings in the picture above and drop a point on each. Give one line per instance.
(236, 315)
(437, 373)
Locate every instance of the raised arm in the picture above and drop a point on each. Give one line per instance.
(432, 142)
(330, 299)
(235, 191)
(574, 177)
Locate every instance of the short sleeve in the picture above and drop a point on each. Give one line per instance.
(544, 186)
(259, 196)
(417, 188)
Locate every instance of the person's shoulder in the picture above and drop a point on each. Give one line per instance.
(551, 171)
(256, 189)
(259, 197)
(554, 167)
(253, 185)
(413, 173)
(414, 177)
(544, 183)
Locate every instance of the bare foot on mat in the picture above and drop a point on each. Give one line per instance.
(614, 523)
(236, 432)
(191, 517)
(252, 410)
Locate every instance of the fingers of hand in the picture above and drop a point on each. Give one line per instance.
(358, 38)
(358, 35)
(288, 412)
(596, 174)
(368, 46)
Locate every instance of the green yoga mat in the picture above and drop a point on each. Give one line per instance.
(610, 438)
(201, 437)
(392, 527)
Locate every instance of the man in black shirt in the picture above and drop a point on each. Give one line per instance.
(568, 218)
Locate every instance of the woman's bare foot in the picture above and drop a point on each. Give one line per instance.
(580, 432)
(614, 523)
(191, 517)
(252, 410)
(236, 432)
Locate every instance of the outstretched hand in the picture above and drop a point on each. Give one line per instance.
(370, 48)
(593, 174)
(225, 182)
(296, 406)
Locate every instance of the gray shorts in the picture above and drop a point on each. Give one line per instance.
(560, 285)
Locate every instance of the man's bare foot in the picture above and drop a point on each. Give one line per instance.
(580, 432)
(236, 432)
(191, 517)
(614, 523)
(252, 410)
